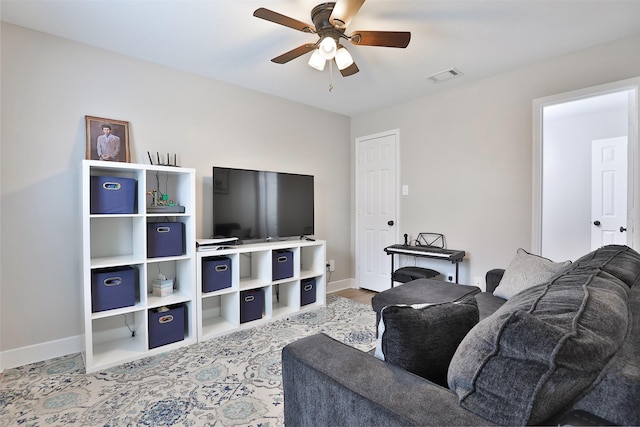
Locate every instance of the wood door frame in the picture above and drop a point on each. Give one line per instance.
(396, 133)
(633, 171)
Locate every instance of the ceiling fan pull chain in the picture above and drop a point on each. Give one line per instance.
(330, 75)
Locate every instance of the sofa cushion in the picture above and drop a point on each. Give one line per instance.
(617, 260)
(422, 338)
(543, 348)
(488, 303)
(526, 270)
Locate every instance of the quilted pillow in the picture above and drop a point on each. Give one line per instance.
(542, 349)
(422, 338)
(526, 270)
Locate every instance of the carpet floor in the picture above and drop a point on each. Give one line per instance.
(231, 380)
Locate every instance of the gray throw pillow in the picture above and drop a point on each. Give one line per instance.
(526, 270)
(422, 338)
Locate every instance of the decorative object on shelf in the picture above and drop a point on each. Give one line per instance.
(162, 286)
(160, 203)
(107, 139)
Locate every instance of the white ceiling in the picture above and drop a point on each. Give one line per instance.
(222, 40)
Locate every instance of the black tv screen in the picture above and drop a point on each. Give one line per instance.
(261, 205)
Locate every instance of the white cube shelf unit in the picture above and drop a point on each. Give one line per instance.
(119, 240)
(219, 311)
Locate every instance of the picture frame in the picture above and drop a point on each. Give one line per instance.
(111, 145)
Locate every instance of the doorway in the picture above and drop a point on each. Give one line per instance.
(377, 208)
(568, 130)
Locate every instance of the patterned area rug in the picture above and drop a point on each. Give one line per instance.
(231, 380)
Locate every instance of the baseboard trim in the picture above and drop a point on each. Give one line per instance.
(39, 352)
(51, 349)
(340, 285)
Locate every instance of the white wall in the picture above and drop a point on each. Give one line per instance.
(50, 84)
(466, 152)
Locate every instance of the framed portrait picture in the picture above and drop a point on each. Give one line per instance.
(107, 139)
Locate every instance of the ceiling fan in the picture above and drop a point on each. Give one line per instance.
(330, 21)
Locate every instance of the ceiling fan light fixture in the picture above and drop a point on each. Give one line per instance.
(317, 61)
(328, 48)
(330, 22)
(343, 58)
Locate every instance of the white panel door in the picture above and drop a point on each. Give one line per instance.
(376, 209)
(609, 192)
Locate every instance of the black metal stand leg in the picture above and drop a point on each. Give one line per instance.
(457, 263)
(392, 270)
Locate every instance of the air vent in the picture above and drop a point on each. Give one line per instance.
(444, 75)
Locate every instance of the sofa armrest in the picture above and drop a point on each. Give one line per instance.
(329, 383)
(493, 278)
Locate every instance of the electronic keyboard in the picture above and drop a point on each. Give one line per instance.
(426, 251)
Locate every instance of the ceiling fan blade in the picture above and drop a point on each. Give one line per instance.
(344, 11)
(293, 53)
(350, 70)
(278, 18)
(381, 38)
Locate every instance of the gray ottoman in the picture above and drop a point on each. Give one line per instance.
(422, 291)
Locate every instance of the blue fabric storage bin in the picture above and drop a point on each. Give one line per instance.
(113, 288)
(216, 273)
(165, 239)
(166, 327)
(112, 195)
(251, 304)
(307, 291)
(282, 264)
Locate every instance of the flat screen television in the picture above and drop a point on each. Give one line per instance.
(255, 205)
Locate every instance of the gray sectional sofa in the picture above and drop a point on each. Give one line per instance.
(563, 351)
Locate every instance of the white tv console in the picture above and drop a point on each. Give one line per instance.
(218, 312)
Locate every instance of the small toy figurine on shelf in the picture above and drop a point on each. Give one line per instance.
(154, 196)
(160, 199)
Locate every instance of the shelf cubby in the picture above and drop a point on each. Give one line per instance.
(219, 314)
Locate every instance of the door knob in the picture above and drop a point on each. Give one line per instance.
(622, 229)
(390, 222)
(597, 223)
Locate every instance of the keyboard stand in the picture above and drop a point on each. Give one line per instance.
(454, 256)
